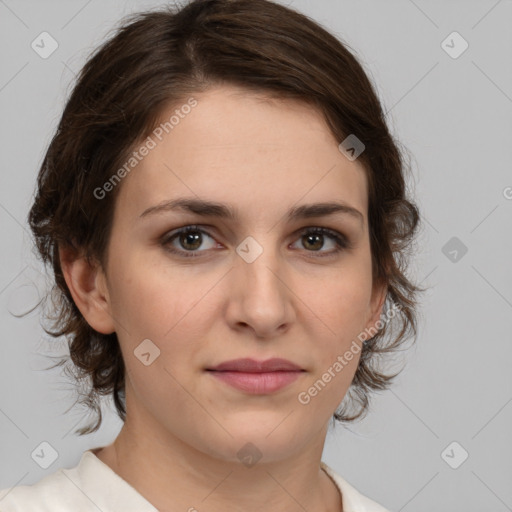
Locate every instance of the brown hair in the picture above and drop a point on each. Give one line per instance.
(159, 58)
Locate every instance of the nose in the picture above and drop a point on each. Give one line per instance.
(260, 298)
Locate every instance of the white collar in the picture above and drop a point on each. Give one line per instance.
(78, 488)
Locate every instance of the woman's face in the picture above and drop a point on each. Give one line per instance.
(261, 284)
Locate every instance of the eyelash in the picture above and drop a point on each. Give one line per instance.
(342, 243)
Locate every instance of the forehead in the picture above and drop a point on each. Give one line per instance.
(241, 148)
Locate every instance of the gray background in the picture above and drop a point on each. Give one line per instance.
(453, 115)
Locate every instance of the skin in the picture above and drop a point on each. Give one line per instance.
(184, 427)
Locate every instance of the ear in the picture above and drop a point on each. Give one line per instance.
(378, 298)
(88, 287)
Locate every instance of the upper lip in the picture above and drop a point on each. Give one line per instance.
(252, 366)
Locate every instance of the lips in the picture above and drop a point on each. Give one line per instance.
(248, 365)
(257, 377)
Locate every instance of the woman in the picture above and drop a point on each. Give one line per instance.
(225, 213)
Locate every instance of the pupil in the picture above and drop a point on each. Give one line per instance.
(314, 236)
(191, 237)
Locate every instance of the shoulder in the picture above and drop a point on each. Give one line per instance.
(56, 492)
(353, 500)
(88, 487)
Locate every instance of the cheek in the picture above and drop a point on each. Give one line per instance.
(342, 301)
(169, 309)
(342, 306)
(152, 301)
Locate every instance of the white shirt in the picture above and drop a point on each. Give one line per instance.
(93, 486)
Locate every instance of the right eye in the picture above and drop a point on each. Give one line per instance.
(190, 239)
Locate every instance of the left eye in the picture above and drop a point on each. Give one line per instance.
(314, 237)
(191, 239)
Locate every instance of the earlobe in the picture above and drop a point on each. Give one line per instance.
(88, 287)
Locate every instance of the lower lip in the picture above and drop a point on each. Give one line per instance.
(258, 383)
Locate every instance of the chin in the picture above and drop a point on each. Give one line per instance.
(259, 442)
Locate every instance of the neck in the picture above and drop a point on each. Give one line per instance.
(172, 475)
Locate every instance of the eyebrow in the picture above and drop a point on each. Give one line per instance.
(224, 211)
